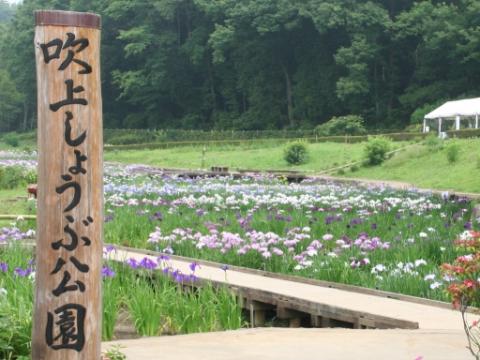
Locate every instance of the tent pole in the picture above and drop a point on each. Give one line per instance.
(425, 125)
(457, 122)
(439, 127)
(476, 121)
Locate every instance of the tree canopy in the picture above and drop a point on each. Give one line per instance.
(258, 64)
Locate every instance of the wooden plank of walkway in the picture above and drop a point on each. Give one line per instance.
(295, 344)
(309, 298)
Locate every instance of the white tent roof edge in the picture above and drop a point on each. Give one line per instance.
(465, 107)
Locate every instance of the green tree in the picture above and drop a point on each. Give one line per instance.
(10, 102)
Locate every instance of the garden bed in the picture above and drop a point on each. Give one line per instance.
(373, 237)
(137, 300)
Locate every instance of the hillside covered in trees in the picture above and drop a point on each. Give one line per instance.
(258, 64)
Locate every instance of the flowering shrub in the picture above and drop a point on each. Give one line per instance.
(343, 125)
(464, 272)
(464, 289)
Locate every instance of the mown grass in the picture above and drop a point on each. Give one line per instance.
(427, 168)
(15, 202)
(418, 164)
(322, 156)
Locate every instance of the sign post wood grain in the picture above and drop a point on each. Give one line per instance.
(67, 316)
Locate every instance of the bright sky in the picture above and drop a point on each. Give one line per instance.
(14, 1)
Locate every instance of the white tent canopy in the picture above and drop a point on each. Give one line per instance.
(455, 110)
(466, 107)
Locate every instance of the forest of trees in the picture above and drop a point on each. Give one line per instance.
(258, 64)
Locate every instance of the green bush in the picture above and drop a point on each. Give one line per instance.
(452, 151)
(11, 139)
(463, 133)
(376, 150)
(433, 143)
(12, 177)
(343, 125)
(414, 128)
(296, 153)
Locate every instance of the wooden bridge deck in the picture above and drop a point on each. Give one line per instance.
(313, 301)
(297, 344)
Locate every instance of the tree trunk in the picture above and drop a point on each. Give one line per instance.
(212, 90)
(288, 88)
(25, 115)
(375, 86)
(391, 84)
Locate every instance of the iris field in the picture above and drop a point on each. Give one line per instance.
(372, 237)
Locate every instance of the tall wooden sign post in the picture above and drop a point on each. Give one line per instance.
(67, 319)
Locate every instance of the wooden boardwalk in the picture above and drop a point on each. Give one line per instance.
(299, 344)
(315, 302)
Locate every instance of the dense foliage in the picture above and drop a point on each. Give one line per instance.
(376, 150)
(343, 125)
(296, 153)
(259, 64)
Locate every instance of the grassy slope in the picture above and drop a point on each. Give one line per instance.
(417, 165)
(14, 202)
(426, 169)
(322, 156)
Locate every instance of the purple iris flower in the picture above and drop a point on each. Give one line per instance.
(107, 272)
(3, 267)
(110, 248)
(356, 221)
(23, 272)
(224, 267)
(191, 278)
(148, 263)
(177, 276)
(157, 216)
(193, 266)
(373, 226)
(133, 263)
(108, 218)
(468, 225)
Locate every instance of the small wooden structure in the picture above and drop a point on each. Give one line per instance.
(219, 169)
(308, 302)
(32, 190)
